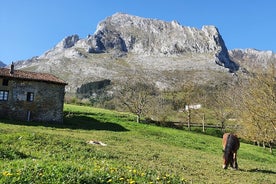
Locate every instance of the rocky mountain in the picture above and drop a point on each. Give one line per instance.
(252, 59)
(125, 46)
(2, 64)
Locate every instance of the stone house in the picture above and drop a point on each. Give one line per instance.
(31, 96)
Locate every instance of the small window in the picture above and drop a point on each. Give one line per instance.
(5, 82)
(30, 96)
(4, 95)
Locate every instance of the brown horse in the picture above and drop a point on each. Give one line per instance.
(231, 144)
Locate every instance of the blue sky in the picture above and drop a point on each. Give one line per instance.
(31, 27)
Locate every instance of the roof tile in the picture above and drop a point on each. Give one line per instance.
(20, 74)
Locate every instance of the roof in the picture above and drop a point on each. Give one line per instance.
(33, 76)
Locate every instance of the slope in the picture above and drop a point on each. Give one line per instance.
(135, 153)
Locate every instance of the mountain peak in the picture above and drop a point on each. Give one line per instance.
(132, 34)
(2, 64)
(152, 36)
(69, 41)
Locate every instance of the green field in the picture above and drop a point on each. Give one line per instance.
(134, 153)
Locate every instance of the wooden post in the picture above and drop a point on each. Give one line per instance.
(138, 118)
(203, 123)
(188, 108)
(189, 118)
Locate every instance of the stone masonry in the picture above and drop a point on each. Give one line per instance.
(30, 96)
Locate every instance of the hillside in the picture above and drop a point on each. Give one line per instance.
(134, 153)
(123, 45)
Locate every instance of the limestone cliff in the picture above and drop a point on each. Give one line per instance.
(253, 59)
(127, 33)
(123, 45)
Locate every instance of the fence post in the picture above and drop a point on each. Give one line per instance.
(203, 123)
(189, 118)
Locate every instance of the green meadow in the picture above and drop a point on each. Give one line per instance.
(32, 152)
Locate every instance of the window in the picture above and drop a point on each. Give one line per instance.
(5, 82)
(30, 96)
(4, 95)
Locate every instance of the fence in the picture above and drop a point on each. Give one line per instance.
(181, 125)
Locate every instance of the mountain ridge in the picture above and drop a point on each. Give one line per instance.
(124, 45)
(252, 59)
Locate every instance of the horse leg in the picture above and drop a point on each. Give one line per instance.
(235, 163)
(231, 161)
(224, 141)
(231, 164)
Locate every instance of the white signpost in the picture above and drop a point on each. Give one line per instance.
(196, 106)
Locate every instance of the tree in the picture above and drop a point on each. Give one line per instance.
(221, 103)
(258, 115)
(136, 96)
(161, 110)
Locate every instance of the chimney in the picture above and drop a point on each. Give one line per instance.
(12, 68)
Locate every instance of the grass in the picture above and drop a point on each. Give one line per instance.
(33, 152)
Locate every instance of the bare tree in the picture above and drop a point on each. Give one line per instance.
(221, 101)
(160, 110)
(136, 96)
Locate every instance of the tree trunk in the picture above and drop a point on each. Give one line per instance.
(203, 123)
(263, 144)
(189, 119)
(270, 148)
(222, 126)
(138, 118)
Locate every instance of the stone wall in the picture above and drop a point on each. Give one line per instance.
(33, 101)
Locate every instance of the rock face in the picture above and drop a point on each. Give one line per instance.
(126, 33)
(62, 47)
(252, 59)
(139, 35)
(68, 42)
(123, 45)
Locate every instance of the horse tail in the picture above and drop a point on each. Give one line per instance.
(230, 143)
(229, 147)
